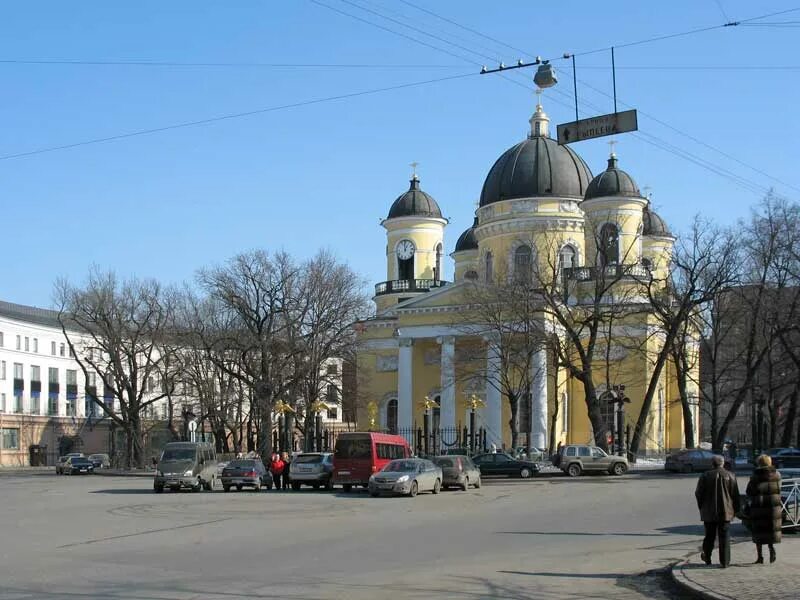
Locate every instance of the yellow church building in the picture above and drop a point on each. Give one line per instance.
(545, 221)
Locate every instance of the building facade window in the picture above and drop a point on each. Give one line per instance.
(2, 369)
(10, 438)
(437, 270)
(333, 369)
(19, 342)
(564, 412)
(522, 263)
(488, 267)
(391, 415)
(18, 401)
(36, 373)
(333, 412)
(2, 403)
(27, 344)
(471, 275)
(609, 245)
(567, 257)
(18, 371)
(1, 339)
(53, 348)
(36, 345)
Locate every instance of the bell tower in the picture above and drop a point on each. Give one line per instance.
(414, 248)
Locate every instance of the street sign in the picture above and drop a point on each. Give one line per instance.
(192, 426)
(586, 129)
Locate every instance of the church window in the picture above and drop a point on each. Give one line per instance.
(471, 274)
(609, 245)
(489, 273)
(567, 257)
(437, 271)
(647, 263)
(522, 263)
(391, 415)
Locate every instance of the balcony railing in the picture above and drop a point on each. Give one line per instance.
(609, 273)
(408, 285)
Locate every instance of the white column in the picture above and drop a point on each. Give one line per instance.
(539, 397)
(493, 413)
(405, 406)
(447, 396)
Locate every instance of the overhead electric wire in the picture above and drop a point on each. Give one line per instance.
(722, 10)
(234, 116)
(153, 63)
(653, 140)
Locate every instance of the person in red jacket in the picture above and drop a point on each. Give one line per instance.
(276, 467)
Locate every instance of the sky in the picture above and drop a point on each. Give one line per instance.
(322, 173)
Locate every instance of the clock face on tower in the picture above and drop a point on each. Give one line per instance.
(405, 249)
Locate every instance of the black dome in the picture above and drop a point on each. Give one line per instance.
(467, 240)
(539, 166)
(414, 203)
(652, 224)
(613, 182)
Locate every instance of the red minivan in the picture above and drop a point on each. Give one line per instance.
(358, 455)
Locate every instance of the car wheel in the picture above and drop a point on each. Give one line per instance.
(619, 468)
(226, 488)
(414, 489)
(158, 489)
(374, 494)
(465, 487)
(295, 485)
(574, 470)
(208, 485)
(238, 488)
(257, 487)
(437, 487)
(315, 486)
(525, 472)
(197, 486)
(329, 485)
(478, 483)
(687, 468)
(347, 487)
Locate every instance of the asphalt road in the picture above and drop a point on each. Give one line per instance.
(550, 537)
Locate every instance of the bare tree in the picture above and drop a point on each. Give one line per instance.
(116, 330)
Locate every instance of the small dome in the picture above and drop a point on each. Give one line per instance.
(415, 203)
(613, 182)
(652, 224)
(467, 240)
(539, 166)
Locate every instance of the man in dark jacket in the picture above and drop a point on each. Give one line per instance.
(717, 496)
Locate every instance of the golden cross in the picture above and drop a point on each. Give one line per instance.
(611, 145)
(414, 166)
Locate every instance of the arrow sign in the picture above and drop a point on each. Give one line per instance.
(586, 129)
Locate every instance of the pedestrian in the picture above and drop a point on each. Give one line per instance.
(276, 467)
(765, 509)
(287, 463)
(717, 495)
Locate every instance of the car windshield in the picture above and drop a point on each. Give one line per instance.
(443, 462)
(354, 448)
(241, 464)
(179, 454)
(309, 459)
(77, 460)
(401, 466)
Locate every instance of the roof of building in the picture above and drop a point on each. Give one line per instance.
(29, 314)
(467, 240)
(612, 182)
(652, 224)
(414, 203)
(539, 166)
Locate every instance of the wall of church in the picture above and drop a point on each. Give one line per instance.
(626, 214)
(426, 234)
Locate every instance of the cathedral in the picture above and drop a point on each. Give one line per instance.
(541, 211)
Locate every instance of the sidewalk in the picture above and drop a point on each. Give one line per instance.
(744, 580)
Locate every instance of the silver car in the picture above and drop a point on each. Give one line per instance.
(406, 476)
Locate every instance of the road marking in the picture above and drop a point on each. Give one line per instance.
(149, 531)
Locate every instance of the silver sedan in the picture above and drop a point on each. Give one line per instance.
(406, 476)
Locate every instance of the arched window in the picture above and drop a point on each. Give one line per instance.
(472, 275)
(609, 245)
(489, 272)
(391, 415)
(522, 263)
(567, 257)
(647, 263)
(437, 270)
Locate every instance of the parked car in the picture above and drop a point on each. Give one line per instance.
(694, 459)
(246, 472)
(62, 461)
(100, 461)
(785, 457)
(502, 464)
(577, 459)
(78, 465)
(312, 468)
(406, 476)
(190, 465)
(458, 471)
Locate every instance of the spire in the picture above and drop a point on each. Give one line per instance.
(414, 178)
(612, 156)
(539, 121)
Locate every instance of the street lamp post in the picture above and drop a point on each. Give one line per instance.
(316, 408)
(474, 404)
(427, 404)
(284, 410)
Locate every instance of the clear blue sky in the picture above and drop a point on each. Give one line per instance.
(165, 204)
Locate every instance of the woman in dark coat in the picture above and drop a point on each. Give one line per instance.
(764, 493)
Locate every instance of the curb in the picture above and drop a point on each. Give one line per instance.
(680, 577)
(113, 473)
